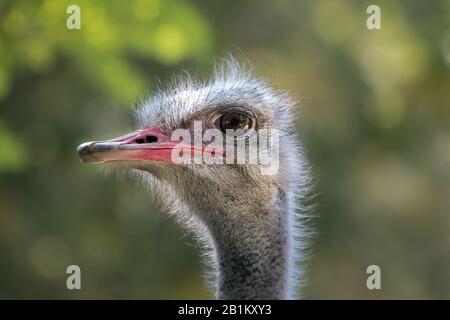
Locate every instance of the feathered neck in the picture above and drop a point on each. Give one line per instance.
(252, 253)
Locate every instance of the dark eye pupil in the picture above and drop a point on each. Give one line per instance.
(234, 121)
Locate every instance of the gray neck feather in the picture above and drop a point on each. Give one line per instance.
(251, 253)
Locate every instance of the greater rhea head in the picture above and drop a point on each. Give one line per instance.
(249, 222)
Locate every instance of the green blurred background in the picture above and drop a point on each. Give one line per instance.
(375, 120)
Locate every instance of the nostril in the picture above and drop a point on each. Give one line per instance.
(151, 139)
(147, 139)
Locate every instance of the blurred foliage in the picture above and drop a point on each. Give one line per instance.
(375, 114)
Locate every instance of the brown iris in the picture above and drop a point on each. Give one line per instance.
(234, 121)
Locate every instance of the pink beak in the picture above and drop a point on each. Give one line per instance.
(147, 144)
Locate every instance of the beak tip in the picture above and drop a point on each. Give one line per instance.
(84, 152)
(83, 149)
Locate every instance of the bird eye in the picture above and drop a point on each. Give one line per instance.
(234, 121)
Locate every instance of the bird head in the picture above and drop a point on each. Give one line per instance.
(204, 141)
